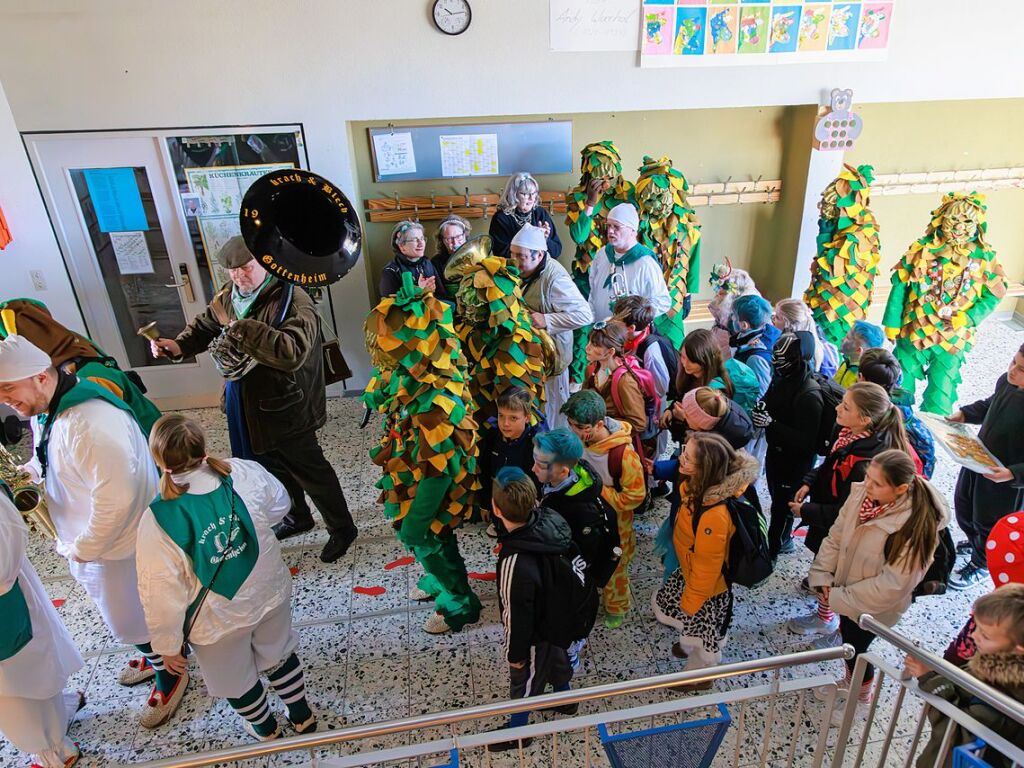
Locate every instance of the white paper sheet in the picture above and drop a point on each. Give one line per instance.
(471, 154)
(132, 253)
(394, 153)
(595, 25)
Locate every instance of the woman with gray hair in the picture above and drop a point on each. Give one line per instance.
(452, 234)
(519, 206)
(409, 243)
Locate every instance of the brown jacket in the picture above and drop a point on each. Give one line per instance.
(630, 395)
(851, 559)
(283, 397)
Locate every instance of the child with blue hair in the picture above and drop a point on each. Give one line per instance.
(861, 337)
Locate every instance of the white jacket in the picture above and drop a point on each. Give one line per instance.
(40, 669)
(168, 585)
(101, 478)
(851, 559)
(643, 277)
(554, 295)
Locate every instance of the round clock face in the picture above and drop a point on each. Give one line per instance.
(452, 16)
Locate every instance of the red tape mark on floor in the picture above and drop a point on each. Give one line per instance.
(800, 532)
(294, 570)
(371, 591)
(57, 603)
(400, 562)
(490, 576)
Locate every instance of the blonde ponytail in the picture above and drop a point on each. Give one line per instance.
(178, 444)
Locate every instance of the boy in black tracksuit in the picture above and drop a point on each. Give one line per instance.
(530, 533)
(506, 441)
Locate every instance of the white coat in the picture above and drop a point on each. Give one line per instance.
(101, 478)
(168, 584)
(40, 669)
(554, 295)
(643, 277)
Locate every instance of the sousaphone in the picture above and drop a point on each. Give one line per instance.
(301, 227)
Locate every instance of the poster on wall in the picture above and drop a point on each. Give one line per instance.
(219, 191)
(594, 25)
(469, 154)
(704, 33)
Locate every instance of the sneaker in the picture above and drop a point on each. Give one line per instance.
(678, 652)
(693, 687)
(419, 595)
(575, 654)
(291, 527)
(436, 625)
(491, 531)
(309, 726)
(160, 708)
(812, 625)
(614, 620)
(968, 576)
(68, 762)
(136, 671)
(565, 709)
(788, 547)
(338, 545)
(251, 730)
(661, 490)
(831, 640)
(964, 548)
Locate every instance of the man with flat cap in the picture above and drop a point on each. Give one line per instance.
(274, 409)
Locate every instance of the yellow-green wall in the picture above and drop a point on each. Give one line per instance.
(773, 142)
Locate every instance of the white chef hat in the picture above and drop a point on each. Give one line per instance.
(531, 237)
(20, 359)
(626, 215)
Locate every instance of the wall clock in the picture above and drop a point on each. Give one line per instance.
(452, 16)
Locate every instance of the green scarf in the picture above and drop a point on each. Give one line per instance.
(635, 253)
(243, 303)
(216, 532)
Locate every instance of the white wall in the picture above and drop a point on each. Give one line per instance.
(34, 247)
(68, 65)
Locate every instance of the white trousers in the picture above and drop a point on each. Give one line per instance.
(232, 665)
(556, 392)
(114, 586)
(39, 727)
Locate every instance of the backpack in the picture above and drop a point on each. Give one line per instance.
(570, 607)
(936, 579)
(652, 402)
(748, 563)
(615, 470)
(668, 354)
(610, 551)
(831, 395)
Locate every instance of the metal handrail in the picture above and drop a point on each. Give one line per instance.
(372, 730)
(991, 696)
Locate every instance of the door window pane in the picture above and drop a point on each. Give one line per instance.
(135, 264)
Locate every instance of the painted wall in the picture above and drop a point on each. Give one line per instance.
(68, 65)
(34, 247)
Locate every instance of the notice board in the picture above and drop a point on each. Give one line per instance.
(414, 153)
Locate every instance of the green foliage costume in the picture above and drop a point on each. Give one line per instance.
(670, 228)
(428, 448)
(494, 324)
(843, 274)
(599, 160)
(942, 288)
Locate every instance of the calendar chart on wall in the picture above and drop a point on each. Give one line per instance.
(411, 153)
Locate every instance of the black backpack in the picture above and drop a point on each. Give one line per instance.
(749, 562)
(936, 579)
(831, 395)
(610, 552)
(571, 598)
(668, 353)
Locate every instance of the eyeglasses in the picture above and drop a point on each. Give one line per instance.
(455, 239)
(414, 240)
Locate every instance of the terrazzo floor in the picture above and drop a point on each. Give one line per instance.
(367, 658)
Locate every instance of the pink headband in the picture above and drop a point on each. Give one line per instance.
(695, 415)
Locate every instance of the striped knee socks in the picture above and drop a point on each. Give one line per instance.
(164, 681)
(824, 612)
(254, 707)
(289, 683)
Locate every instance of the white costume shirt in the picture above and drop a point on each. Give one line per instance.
(168, 584)
(643, 277)
(101, 478)
(40, 669)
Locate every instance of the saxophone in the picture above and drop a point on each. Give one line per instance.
(28, 497)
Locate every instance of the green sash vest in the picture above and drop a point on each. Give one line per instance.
(216, 532)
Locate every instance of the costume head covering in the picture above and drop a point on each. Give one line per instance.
(531, 237)
(234, 253)
(1004, 550)
(695, 416)
(626, 215)
(32, 320)
(21, 359)
(787, 356)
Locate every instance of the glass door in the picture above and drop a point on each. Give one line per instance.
(120, 229)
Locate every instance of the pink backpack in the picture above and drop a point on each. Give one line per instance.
(652, 402)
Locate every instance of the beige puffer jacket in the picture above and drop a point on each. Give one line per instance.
(852, 560)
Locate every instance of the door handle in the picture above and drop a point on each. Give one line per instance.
(186, 283)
